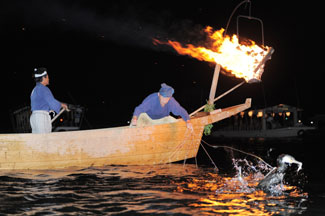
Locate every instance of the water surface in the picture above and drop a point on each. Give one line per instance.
(172, 189)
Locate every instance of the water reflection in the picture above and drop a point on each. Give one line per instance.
(128, 190)
(238, 195)
(229, 200)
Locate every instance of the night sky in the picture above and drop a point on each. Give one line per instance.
(100, 54)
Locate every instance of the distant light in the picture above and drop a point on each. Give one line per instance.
(311, 122)
(259, 114)
(61, 119)
(299, 121)
(288, 114)
(250, 113)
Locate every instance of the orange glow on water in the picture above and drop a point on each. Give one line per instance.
(235, 199)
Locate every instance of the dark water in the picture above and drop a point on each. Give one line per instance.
(176, 189)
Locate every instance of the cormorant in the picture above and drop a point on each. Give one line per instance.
(275, 176)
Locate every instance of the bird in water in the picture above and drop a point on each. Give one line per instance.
(275, 176)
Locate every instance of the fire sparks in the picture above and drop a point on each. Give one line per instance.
(240, 60)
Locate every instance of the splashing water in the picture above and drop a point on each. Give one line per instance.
(248, 176)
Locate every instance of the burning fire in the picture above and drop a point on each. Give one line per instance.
(240, 60)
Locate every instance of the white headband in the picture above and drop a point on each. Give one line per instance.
(40, 75)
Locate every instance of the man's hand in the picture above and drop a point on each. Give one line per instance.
(134, 121)
(64, 106)
(189, 125)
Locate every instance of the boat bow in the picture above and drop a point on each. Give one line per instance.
(206, 118)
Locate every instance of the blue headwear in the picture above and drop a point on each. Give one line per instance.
(166, 90)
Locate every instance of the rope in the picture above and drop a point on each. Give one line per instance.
(180, 145)
(188, 149)
(196, 161)
(215, 166)
(212, 146)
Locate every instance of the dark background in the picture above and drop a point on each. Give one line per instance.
(100, 54)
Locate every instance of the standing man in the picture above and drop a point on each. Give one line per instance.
(42, 101)
(159, 104)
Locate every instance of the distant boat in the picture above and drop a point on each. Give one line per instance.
(141, 145)
(279, 121)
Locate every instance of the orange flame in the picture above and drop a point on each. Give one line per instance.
(237, 59)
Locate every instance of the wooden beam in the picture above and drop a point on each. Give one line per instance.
(214, 84)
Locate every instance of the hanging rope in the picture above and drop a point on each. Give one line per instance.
(250, 154)
(215, 166)
(191, 134)
(178, 147)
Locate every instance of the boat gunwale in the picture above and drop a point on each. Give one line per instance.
(194, 119)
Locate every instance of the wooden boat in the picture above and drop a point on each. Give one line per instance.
(154, 144)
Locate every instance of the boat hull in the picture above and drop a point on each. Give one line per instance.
(148, 145)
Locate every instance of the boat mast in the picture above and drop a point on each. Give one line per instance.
(214, 84)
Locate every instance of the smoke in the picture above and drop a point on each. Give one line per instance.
(123, 22)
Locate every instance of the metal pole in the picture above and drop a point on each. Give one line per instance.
(266, 57)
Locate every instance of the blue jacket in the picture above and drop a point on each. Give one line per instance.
(42, 99)
(151, 106)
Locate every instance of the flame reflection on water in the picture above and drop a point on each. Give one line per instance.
(234, 197)
(127, 190)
